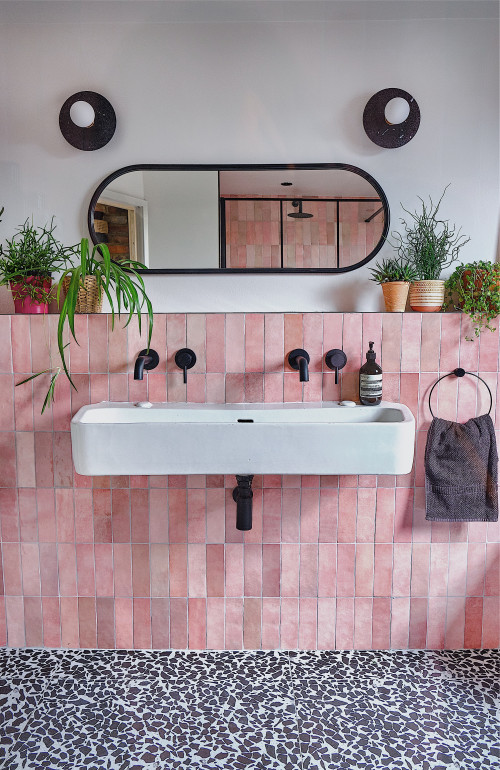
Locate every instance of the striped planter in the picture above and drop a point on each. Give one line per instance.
(427, 296)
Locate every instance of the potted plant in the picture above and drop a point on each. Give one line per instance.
(430, 245)
(395, 276)
(474, 288)
(120, 282)
(27, 263)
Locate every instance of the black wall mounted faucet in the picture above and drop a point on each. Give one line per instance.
(185, 359)
(147, 359)
(242, 496)
(299, 360)
(336, 359)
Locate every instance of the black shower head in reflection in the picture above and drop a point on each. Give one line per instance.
(299, 214)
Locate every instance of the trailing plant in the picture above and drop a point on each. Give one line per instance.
(120, 282)
(474, 288)
(393, 269)
(428, 243)
(33, 251)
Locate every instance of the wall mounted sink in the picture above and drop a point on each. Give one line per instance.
(113, 438)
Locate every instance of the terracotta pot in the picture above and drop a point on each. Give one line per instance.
(89, 300)
(427, 296)
(395, 296)
(23, 303)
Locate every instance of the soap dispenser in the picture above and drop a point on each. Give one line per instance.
(370, 380)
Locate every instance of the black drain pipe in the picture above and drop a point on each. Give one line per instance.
(242, 495)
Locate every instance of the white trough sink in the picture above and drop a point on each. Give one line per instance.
(113, 438)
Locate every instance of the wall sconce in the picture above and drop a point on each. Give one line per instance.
(87, 120)
(391, 118)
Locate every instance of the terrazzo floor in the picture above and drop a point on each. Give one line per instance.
(168, 710)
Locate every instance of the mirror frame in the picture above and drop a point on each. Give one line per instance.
(247, 167)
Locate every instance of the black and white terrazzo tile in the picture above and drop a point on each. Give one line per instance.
(159, 710)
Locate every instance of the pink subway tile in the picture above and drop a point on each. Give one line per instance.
(400, 623)
(381, 623)
(473, 622)
(352, 343)
(177, 515)
(30, 559)
(328, 515)
(235, 343)
(492, 570)
(347, 515)
(365, 522)
(401, 569)
(51, 617)
(9, 515)
(21, 351)
(85, 569)
(293, 335)
(313, 340)
(12, 569)
(197, 624)
(290, 569)
(309, 516)
(364, 569)
(215, 388)
(160, 627)
(254, 388)
(450, 342)
(271, 570)
(270, 624)
(252, 623)
(7, 459)
(63, 463)
(178, 623)
(44, 464)
(98, 338)
(271, 516)
(6, 402)
(289, 626)
(252, 570)
(124, 623)
(69, 622)
(105, 623)
(122, 562)
(274, 342)
(308, 577)
(429, 351)
(234, 624)
(23, 404)
(455, 623)
(66, 558)
(327, 569)
(103, 554)
(139, 514)
(120, 515)
(197, 570)
(344, 630)
(142, 624)
(345, 569)
(48, 569)
(84, 516)
(14, 612)
(102, 516)
(363, 618)
(403, 515)
(326, 624)
(28, 515)
(158, 516)
(391, 342)
(488, 351)
(254, 342)
(79, 348)
(216, 515)
(308, 614)
(384, 517)
(215, 343)
(87, 622)
(140, 570)
(372, 332)
(438, 581)
(491, 623)
(418, 624)
(420, 569)
(457, 572)
(6, 344)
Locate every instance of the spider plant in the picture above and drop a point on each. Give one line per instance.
(120, 282)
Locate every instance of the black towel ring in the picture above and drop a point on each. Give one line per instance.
(459, 372)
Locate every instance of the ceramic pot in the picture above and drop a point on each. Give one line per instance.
(427, 296)
(395, 296)
(23, 303)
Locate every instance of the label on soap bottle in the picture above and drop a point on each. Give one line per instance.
(370, 385)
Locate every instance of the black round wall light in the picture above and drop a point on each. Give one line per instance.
(391, 118)
(87, 120)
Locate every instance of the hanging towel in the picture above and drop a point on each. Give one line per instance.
(461, 471)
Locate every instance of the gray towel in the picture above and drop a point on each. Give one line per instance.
(461, 471)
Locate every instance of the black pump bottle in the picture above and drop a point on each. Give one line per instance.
(370, 380)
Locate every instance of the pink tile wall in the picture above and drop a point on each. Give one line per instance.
(331, 562)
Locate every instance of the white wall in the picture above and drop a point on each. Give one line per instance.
(252, 91)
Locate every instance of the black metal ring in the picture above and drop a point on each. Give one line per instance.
(459, 372)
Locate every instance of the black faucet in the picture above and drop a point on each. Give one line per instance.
(299, 359)
(147, 359)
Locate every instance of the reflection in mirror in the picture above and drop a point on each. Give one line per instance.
(208, 218)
